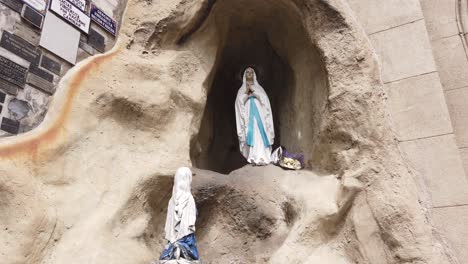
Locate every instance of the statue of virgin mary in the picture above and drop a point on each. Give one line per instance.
(254, 120)
(180, 222)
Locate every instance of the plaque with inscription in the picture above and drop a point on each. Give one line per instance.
(81, 4)
(9, 125)
(12, 72)
(96, 40)
(32, 16)
(15, 5)
(51, 65)
(20, 47)
(39, 5)
(71, 13)
(103, 20)
(87, 48)
(2, 97)
(8, 87)
(41, 73)
(40, 83)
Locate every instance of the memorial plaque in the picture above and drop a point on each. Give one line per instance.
(39, 5)
(51, 65)
(9, 125)
(20, 47)
(87, 48)
(81, 4)
(96, 40)
(8, 87)
(32, 16)
(12, 72)
(71, 13)
(15, 5)
(40, 83)
(41, 73)
(2, 97)
(60, 38)
(103, 20)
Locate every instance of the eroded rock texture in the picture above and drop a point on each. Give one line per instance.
(91, 184)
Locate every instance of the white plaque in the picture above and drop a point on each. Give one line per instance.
(60, 38)
(71, 14)
(39, 5)
(81, 4)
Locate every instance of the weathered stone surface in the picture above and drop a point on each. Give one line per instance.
(440, 17)
(404, 51)
(452, 222)
(27, 32)
(438, 161)
(457, 101)
(89, 185)
(417, 107)
(452, 62)
(464, 155)
(38, 102)
(376, 16)
(18, 109)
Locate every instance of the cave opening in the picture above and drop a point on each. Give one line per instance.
(270, 37)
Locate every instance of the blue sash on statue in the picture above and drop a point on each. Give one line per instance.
(254, 114)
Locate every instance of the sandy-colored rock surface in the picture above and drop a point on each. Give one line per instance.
(91, 184)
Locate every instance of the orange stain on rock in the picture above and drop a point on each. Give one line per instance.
(31, 146)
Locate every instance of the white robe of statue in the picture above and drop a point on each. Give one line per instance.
(259, 152)
(181, 211)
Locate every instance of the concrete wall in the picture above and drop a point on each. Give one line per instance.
(26, 105)
(425, 73)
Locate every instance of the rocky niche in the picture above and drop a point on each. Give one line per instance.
(270, 37)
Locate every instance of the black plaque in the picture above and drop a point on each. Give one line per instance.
(41, 73)
(87, 48)
(2, 98)
(1, 108)
(12, 72)
(9, 125)
(8, 87)
(40, 83)
(15, 5)
(96, 40)
(32, 16)
(51, 65)
(20, 47)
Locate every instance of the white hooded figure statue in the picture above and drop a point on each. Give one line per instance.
(254, 120)
(180, 222)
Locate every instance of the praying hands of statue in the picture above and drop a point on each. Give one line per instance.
(246, 98)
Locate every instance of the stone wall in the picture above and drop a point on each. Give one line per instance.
(422, 52)
(25, 92)
(424, 64)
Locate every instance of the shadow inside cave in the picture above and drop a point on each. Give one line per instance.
(270, 38)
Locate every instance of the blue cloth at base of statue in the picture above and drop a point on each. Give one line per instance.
(187, 246)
